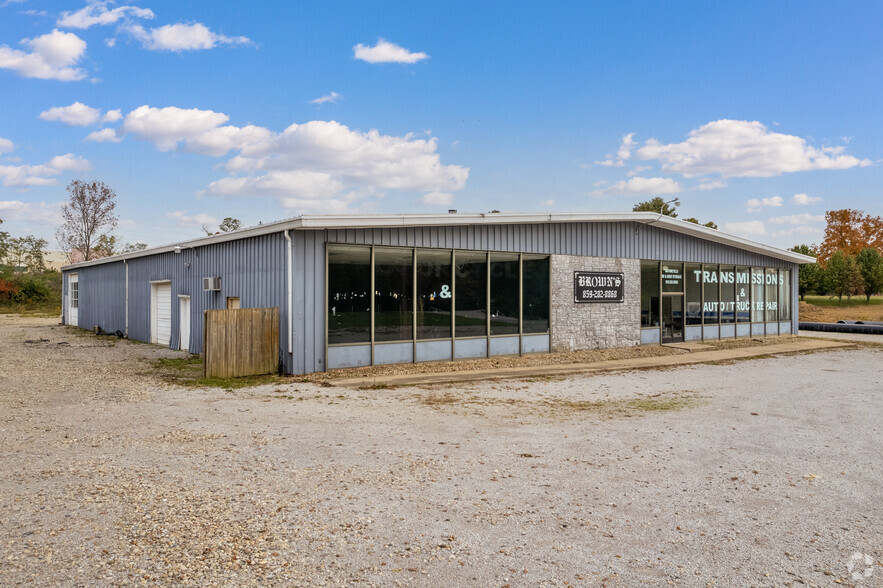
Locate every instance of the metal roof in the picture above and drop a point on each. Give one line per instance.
(368, 221)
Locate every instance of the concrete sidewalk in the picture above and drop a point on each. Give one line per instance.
(698, 354)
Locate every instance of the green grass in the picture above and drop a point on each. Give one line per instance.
(187, 371)
(46, 309)
(857, 301)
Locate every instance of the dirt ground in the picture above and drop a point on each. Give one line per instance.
(831, 314)
(763, 473)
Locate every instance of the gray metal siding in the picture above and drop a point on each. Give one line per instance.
(99, 287)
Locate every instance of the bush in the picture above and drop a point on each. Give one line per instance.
(32, 289)
(7, 290)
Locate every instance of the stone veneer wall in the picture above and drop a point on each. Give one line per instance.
(594, 325)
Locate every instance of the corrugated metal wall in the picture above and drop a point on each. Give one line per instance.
(254, 270)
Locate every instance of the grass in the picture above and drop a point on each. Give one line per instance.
(857, 301)
(42, 310)
(187, 371)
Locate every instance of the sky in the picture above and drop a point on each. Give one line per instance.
(759, 116)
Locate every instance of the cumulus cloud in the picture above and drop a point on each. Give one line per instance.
(45, 174)
(756, 205)
(31, 212)
(386, 52)
(623, 154)
(104, 136)
(332, 98)
(75, 115)
(182, 37)
(798, 219)
(185, 220)
(803, 199)
(97, 13)
(438, 199)
(803, 231)
(712, 184)
(746, 229)
(639, 186)
(52, 56)
(6, 146)
(737, 148)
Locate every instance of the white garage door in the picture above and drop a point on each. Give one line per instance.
(161, 315)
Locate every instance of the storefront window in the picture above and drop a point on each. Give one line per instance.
(693, 272)
(649, 294)
(434, 294)
(471, 294)
(393, 292)
(535, 293)
(785, 295)
(349, 305)
(743, 294)
(504, 293)
(710, 286)
(757, 308)
(728, 294)
(772, 294)
(672, 277)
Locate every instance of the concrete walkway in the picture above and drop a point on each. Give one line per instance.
(697, 355)
(859, 337)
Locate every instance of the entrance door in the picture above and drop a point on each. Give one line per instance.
(73, 300)
(184, 322)
(161, 313)
(673, 319)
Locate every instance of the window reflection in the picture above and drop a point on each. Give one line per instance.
(504, 293)
(535, 293)
(471, 292)
(393, 292)
(434, 294)
(349, 306)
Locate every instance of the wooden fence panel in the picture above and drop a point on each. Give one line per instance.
(241, 342)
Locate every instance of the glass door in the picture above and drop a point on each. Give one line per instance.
(672, 318)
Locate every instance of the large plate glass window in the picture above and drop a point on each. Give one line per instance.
(728, 294)
(693, 292)
(772, 294)
(710, 286)
(757, 298)
(504, 293)
(785, 295)
(393, 292)
(535, 293)
(349, 303)
(434, 294)
(649, 294)
(672, 277)
(471, 294)
(743, 294)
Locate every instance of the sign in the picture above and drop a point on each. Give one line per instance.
(598, 287)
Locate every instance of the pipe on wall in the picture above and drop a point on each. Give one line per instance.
(126, 263)
(288, 289)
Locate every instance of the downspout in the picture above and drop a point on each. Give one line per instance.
(288, 289)
(126, 263)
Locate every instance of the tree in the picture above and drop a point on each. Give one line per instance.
(88, 214)
(133, 247)
(109, 245)
(655, 204)
(842, 275)
(810, 278)
(227, 225)
(27, 252)
(695, 221)
(870, 265)
(4, 242)
(850, 231)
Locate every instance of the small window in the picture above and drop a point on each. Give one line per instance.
(75, 294)
(693, 272)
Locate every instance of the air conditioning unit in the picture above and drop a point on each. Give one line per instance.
(211, 284)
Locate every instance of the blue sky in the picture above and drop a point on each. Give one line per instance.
(759, 116)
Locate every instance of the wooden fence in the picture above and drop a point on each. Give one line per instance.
(241, 342)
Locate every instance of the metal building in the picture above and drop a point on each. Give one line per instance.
(372, 289)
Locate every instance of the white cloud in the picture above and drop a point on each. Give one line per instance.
(438, 199)
(637, 170)
(803, 199)
(386, 52)
(112, 116)
(712, 184)
(803, 231)
(549, 202)
(640, 186)
(622, 154)
(104, 136)
(756, 205)
(736, 148)
(182, 37)
(96, 13)
(53, 56)
(6, 146)
(198, 219)
(32, 212)
(332, 98)
(798, 219)
(77, 114)
(25, 176)
(746, 229)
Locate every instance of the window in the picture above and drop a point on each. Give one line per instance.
(393, 293)
(784, 295)
(693, 272)
(757, 278)
(672, 277)
(772, 294)
(349, 305)
(470, 290)
(535, 293)
(75, 294)
(710, 287)
(649, 294)
(743, 294)
(434, 294)
(728, 294)
(504, 293)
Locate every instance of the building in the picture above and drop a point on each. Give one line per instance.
(357, 290)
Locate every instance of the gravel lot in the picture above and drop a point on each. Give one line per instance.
(758, 473)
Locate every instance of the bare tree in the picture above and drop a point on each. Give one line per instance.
(88, 215)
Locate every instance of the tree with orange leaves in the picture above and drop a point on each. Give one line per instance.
(850, 231)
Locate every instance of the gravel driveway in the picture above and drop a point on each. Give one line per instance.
(758, 473)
